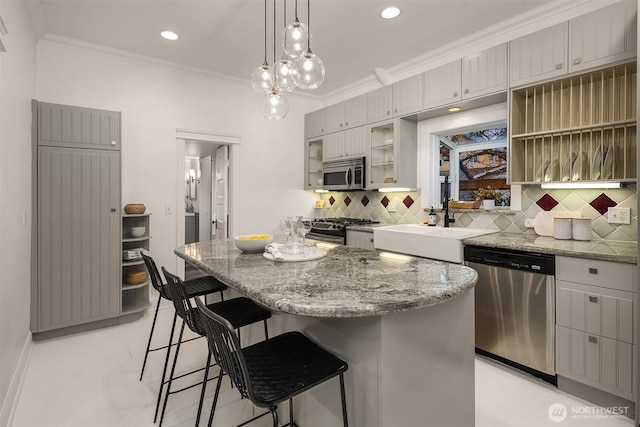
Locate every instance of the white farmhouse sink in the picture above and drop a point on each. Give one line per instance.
(444, 244)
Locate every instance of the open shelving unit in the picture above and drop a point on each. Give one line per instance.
(135, 298)
(588, 118)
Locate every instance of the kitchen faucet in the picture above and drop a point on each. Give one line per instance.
(445, 203)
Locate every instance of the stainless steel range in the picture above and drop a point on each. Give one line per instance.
(334, 230)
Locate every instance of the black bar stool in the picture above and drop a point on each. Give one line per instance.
(240, 311)
(271, 371)
(195, 287)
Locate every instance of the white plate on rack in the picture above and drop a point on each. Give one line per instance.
(541, 171)
(552, 171)
(607, 169)
(580, 168)
(566, 168)
(596, 166)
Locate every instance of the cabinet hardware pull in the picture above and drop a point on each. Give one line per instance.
(466, 91)
(371, 240)
(455, 94)
(114, 143)
(113, 209)
(395, 110)
(558, 66)
(388, 112)
(593, 339)
(593, 270)
(577, 61)
(593, 299)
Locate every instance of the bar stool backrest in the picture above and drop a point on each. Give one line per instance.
(226, 350)
(156, 280)
(182, 303)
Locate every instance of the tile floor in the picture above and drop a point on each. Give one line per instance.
(91, 379)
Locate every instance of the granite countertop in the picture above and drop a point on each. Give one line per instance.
(348, 282)
(605, 250)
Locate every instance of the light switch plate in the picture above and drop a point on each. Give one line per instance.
(392, 206)
(619, 215)
(168, 209)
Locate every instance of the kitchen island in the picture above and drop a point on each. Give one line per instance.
(405, 325)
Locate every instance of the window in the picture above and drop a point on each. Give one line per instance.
(471, 148)
(474, 159)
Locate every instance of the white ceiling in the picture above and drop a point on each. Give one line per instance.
(227, 36)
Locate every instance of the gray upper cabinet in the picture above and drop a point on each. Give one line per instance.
(346, 114)
(539, 56)
(379, 104)
(407, 96)
(76, 275)
(314, 123)
(485, 72)
(604, 36)
(69, 126)
(442, 85)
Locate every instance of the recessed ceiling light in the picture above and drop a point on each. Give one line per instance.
(169, 35)
(454, 109)
(390, 13)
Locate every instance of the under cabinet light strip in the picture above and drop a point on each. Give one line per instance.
(592, 184)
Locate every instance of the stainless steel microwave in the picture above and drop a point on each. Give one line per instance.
(344, 174)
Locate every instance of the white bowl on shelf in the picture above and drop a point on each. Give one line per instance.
(138, 231)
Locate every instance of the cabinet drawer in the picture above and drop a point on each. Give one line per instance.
(595, 310)
(597, 361)
(613, 275)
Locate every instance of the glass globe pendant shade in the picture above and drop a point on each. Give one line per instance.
(261, 79)
(310, 71)
(275, 106)
(282, 74)
(295, 39)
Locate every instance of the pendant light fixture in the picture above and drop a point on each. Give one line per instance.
(283, 70)
(275, 105)
(261, 78)
(310, 69)
(295, 37)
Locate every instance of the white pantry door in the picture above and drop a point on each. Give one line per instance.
(204, 199)
(222, 192)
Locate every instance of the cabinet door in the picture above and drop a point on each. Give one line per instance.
(334, 117)
(360, 239)
(333, 146)
(539, 56)
(69, 126)
(78, 236)
(355, 111)
(379, 104)
(313, 164)
(442, 85)
(603, 36)
(407, 96)
(594, 310)
(484, 72)
(354, 142)
(314, 123)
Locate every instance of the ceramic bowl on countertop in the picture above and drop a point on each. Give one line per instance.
(252, 242)
(138, 231)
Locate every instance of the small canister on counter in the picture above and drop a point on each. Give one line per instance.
(562, 228)
(581, 228)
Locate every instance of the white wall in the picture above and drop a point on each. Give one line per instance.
(17, 88)
(155, 100)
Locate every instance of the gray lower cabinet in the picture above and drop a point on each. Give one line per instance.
(595, 304)
(360, 239)
(76, 256)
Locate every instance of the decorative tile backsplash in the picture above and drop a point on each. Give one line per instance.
(590, 203)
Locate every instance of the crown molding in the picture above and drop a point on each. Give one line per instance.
(547, 15)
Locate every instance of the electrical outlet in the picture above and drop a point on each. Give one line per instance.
(619, 215)
(392, 206)
(168, 209)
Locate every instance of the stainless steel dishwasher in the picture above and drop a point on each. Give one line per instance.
(515, 308)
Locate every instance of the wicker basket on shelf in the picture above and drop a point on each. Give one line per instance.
(135, 208)
(457, 204)
(136, 277)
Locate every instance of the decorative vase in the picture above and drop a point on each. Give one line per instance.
(489, 203)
